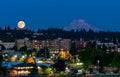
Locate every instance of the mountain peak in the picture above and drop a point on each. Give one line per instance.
(78, 25)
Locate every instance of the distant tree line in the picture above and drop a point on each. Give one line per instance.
(8, 34)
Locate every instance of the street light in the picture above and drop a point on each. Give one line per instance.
(98, 61)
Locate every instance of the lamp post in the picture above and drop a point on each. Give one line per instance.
(98, 61)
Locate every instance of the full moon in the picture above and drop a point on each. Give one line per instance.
(21, 24)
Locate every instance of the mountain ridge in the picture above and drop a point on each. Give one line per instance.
(78, 25)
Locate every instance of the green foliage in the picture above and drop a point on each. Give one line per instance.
(3, 71)
(23, 48)
(116, 60)
(107, 58)
(34, 71)
(59, 65)
(54, 33)
(31, 52)
(2, 47)
(47, 70)
(21, 60)
(1, 59)
(43, 53)
(62, 73)
(90, 56)
(73, 50)
(15, 48)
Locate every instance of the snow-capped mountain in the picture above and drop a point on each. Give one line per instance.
(78, 25)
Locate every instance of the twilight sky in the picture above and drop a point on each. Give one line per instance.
(103, 14)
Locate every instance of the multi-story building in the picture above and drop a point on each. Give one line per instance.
(29, 44)
(20, 43)
(7, 45)
(108, 46)
(23, 42)
(0, 47)
(80, 45)
(59, 44)
(54, 46)
(37, 44)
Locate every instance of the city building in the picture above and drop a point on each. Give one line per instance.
(0, 47)
(38, 44)
(20, 43)
(7, 45)
(80, 45)
(59, 44)
(54, 46)
(107, 46)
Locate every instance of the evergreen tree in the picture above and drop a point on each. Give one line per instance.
(15, 47)
(43, 53)
(59, 65)
(1, 59)
(2, 47)
(73, 50)
(116, 60)
(34, 70)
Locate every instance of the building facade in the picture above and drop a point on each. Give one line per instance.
(7, 45)
(54, 46)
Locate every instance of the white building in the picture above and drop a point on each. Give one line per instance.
(8, 45)
(54, 46)
(109, 46)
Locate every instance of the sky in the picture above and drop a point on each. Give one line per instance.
(102, 14)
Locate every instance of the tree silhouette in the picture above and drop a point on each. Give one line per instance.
(59, 65)
(73, 50)
(1, 59)
(116, 60)
(2, 47)
(43, 53)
